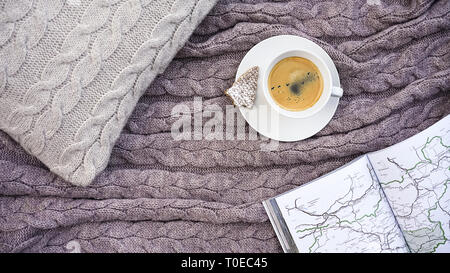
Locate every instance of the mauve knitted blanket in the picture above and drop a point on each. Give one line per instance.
(162, 195)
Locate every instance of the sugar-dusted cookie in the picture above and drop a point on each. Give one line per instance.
(243, 91)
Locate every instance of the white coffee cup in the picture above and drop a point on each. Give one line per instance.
(328, 88)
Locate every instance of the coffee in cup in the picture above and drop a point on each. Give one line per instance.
(295, 83)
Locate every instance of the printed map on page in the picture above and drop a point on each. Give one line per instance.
(345, 211)
(415, 177)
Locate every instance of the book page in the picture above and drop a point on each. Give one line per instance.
(415, 176)
(344, 211)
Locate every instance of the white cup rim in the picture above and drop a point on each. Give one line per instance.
(324, 70)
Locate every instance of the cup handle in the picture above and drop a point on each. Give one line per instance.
(337, 91)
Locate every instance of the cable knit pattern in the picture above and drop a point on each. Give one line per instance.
(56, 71)
(28, 34)
(84, 72)
(83, 55)
(12, 12)
(162, 195)
(91, 150)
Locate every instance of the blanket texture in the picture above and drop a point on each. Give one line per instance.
(71, 72)
(158, 194)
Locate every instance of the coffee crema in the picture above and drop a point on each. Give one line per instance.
(295, 83)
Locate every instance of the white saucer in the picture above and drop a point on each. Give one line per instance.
(271, 124)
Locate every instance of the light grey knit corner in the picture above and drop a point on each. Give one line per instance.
(71, 72)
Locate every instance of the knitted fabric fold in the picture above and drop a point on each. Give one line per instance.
(158, 194)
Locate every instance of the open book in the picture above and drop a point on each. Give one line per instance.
(393, 200)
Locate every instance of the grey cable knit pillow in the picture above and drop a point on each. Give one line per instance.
(71, 72)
